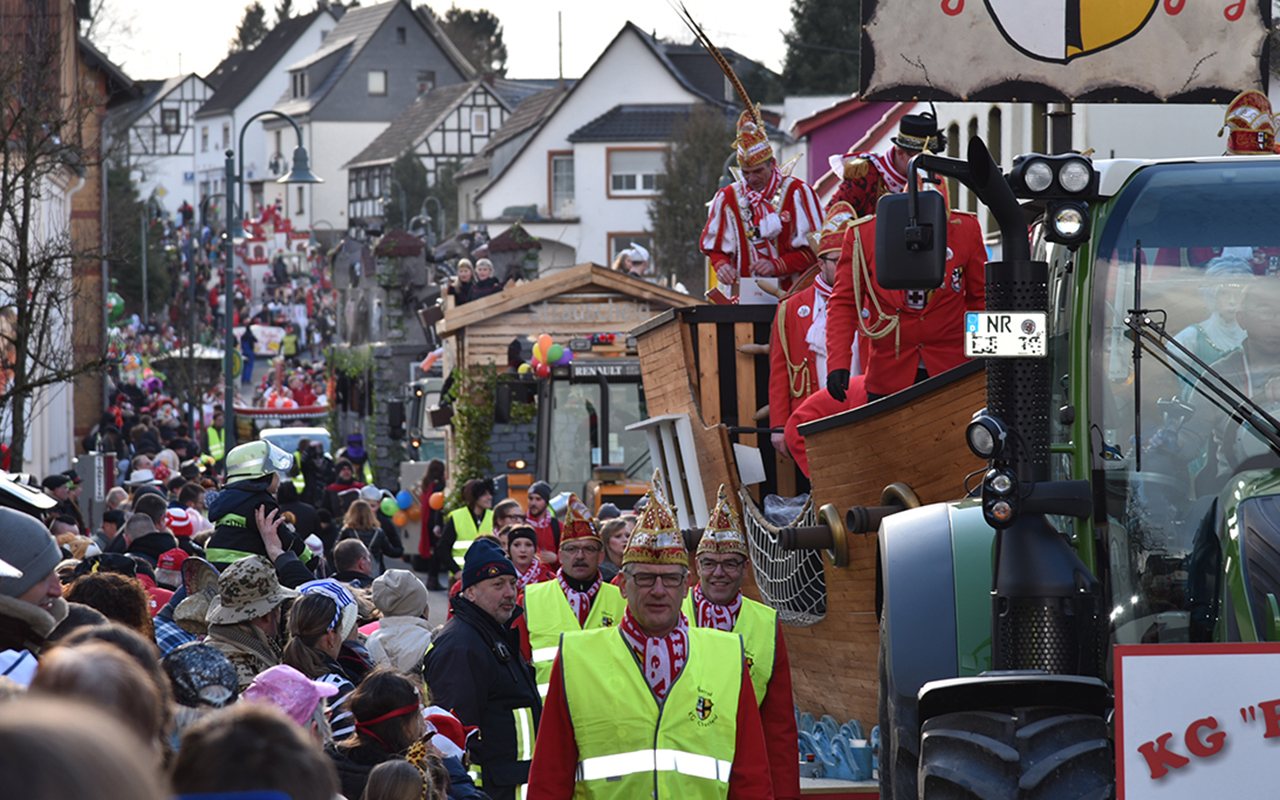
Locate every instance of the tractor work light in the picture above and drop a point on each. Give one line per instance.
(1054, 177)
(1068, 222)
(1001, 497)
(987, 436)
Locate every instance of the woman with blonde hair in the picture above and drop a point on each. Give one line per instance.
(460, 287)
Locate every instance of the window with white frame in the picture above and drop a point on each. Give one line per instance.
(204, 138)
(562, 185)
(226, 135)
(170, 120)
(299, 83)
(377, 81)
(635, 172)
(480, 123)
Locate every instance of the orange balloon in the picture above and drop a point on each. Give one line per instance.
(415, 512)
(436, 500)
(544, 342)
(400, 519)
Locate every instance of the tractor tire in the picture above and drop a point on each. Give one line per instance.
(899, 733)
(1033, 753)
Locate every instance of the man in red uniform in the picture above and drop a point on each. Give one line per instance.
(758, 226)
(717, 602)
(869, 176)
(911, 334)
(798, 343)
(590, 739)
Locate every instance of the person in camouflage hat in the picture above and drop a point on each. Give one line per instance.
(244, 619)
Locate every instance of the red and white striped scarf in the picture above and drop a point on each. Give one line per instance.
(580, 602)
(537, 573)
(710, 615)
(661, 659)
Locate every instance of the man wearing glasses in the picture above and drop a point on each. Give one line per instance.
(656, 708)
(798, 342)
(578, 599)
(717, 602)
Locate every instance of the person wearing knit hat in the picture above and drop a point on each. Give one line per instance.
(522, 549)
(622, 682)
(577, 600)
(403, 635)
(31, 603)
(758, 225)
(543, 520)
(475, 668)
(717, 602)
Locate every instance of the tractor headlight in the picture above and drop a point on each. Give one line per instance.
(1075, 176)
(1038, 176)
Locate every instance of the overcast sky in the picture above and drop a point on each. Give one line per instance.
(160, 38)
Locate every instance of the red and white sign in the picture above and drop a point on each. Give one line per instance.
(1197, 721)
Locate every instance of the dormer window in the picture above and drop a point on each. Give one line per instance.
(299, 84)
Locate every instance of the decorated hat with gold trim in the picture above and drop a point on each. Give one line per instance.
(752, 142)
(656, 539)
(723, 534)
(1250, 125)
(830, 237)
(577, 523)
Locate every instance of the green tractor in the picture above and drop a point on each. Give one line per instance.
(1132, 493)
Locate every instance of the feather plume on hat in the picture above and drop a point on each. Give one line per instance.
(656, 539)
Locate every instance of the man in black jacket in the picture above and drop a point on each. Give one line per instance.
(475, 668)
(253, 474)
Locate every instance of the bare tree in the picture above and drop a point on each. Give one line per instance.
(45, 118)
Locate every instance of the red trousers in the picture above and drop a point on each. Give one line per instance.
(816, 406)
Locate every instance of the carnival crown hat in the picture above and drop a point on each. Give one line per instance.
(656, 539)
(577, 522)
(752, 142)
(830, 237)
(919, 132)
(1250, 125)
(723, 534)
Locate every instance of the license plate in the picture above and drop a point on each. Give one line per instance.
(1001, 334)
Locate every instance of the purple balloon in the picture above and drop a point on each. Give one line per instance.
(565, 358)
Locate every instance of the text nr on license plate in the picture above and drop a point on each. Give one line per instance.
(1004, 334)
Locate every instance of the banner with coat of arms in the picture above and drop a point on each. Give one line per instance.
(1127, 51)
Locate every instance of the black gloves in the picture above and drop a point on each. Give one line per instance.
(838, 383)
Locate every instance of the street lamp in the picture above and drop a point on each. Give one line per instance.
(299, 173)
(146, 213)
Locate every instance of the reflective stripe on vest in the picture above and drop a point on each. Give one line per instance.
(619, 764)
(758, 626)
(548, 614)
(217, 444)
(218, 555)
(464, 525)
(628, 746)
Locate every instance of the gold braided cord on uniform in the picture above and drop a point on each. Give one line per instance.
(797, 376)
(721, 62)
(861, 283)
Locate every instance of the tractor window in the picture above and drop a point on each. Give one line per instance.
(1195, 241)
(579, 441)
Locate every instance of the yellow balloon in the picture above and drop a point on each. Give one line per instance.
(524, 368)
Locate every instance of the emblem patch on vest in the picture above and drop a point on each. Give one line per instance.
(606, 621)
(751, 663)
(703, 708)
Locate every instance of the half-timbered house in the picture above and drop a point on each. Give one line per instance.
(445, 127)
(155, 137)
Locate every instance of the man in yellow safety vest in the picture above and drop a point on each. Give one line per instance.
(717, 602)
(578, 598)
(653, 708)
(215, 439)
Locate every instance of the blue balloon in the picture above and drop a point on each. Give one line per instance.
(404, 500)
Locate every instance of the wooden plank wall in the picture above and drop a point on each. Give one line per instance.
(920, 444)
(488, 340)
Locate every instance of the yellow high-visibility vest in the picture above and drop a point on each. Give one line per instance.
(758, 626)
(464, 525)
(548, 614)
(628, 745)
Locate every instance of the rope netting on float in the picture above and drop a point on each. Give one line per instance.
(790, 581)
